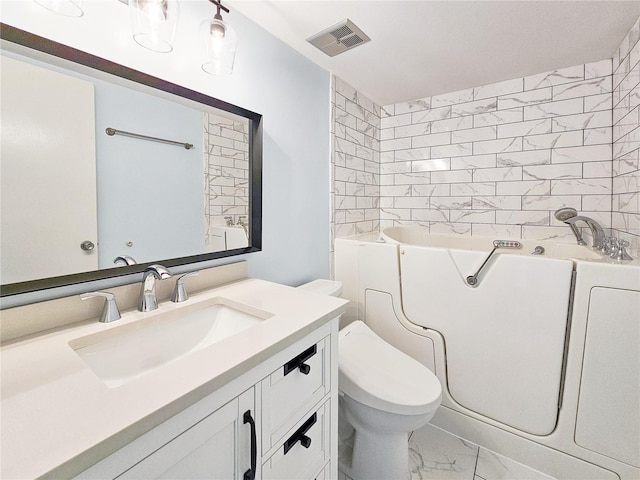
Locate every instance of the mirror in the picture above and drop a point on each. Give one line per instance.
(104, 166)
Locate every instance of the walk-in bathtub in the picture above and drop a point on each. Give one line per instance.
(536, 345)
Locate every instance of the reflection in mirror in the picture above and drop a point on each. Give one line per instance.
(81, 201)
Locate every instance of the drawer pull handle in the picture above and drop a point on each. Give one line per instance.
(301, 435)
(299, 361)
(251, 473)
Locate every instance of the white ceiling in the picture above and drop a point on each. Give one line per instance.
(421, 48)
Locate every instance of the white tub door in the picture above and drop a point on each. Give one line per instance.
(504, 338)
(47, 174)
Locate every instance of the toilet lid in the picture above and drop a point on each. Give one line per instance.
(374, 373)
(332, 288)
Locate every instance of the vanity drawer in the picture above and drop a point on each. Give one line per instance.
(292, 390)
(304, 451)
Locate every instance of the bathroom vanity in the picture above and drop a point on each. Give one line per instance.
(80, 401)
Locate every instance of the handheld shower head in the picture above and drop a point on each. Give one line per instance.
(567, 213)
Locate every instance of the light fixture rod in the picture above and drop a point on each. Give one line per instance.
(219, 5)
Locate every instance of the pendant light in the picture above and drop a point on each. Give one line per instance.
(219, 42)
(68, 8)
(154, 23)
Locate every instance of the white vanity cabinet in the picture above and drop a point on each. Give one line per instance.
(291, 399)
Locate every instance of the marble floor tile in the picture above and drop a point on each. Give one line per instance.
(492, 466)
(437, 455)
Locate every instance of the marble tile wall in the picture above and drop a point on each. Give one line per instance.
(226, 170)
(626, 137)
(355, 163)
(499, 159)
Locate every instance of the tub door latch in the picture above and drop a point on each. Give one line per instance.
(472, 280)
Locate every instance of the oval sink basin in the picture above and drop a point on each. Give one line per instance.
(122, 354)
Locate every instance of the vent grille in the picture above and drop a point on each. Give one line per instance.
(339, 38)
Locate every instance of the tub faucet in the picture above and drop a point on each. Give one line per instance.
(596, 229)
(148, 300)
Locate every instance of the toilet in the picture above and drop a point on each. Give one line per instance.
(384, 395)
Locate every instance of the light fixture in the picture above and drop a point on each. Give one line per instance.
(219, 42)
(154, 23)
(68, 8)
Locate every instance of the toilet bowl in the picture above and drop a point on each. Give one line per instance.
(384, 395)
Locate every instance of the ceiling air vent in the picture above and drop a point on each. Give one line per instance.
(339, 38)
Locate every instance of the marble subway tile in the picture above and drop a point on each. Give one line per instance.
(413, 106)
(598, 69)
(498, 146)
(596, 203)
(598, 136)
(475, 107)
(423, 153)
(395, 190)
(413, 130)
(498, 117)
(431, 165)
(530, 97)
(432, 190)
(582, 186)
(395, 121)
(387, 111)
(474, 161)
(558, 234)
(520, 129)
(550, 202)
(498, 230)
(451, 124)
(500, 88)
(411, 202)
(581, 121)
(473, 189)
(430, 140)
(500, 174)
(596, 103)
(453, 176)
(445, 99)
(551, 172)
(498, 202)
(429, 215)
(472, 216)
(473, 134)
(431, 115)
(451, 203)
(455, 150)
(515, 217)
(588, 153)
(451, 229)
(572, 138)
(554, 109)
(593, 86)
(396, 144)
(555, 77)
(395, 167)
(597, 170)
(524, 187)
(530, 157)
(414, 177)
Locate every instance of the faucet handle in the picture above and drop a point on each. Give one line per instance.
(179, 292)
(110, 310)
(620, 252)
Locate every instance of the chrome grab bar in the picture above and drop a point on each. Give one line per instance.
(473, 279)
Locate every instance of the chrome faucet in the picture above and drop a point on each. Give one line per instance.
(148, 300)
(124, 260)
(570, 217)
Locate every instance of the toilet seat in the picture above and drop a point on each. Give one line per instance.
(376, 374)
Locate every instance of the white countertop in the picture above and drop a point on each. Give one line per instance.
(55, 409)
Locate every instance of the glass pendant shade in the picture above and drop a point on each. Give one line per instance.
(68, 8)
(154, 23)
(219, 42)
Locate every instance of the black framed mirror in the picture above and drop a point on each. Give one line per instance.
(139, 216)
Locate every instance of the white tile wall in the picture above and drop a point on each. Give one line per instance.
(355, 162)
(506, 155)
(626, 138)
(226, 170)
(497, 159)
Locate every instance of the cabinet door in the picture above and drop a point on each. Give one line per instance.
(214, 448)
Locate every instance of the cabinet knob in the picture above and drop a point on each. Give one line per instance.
(305, 368)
